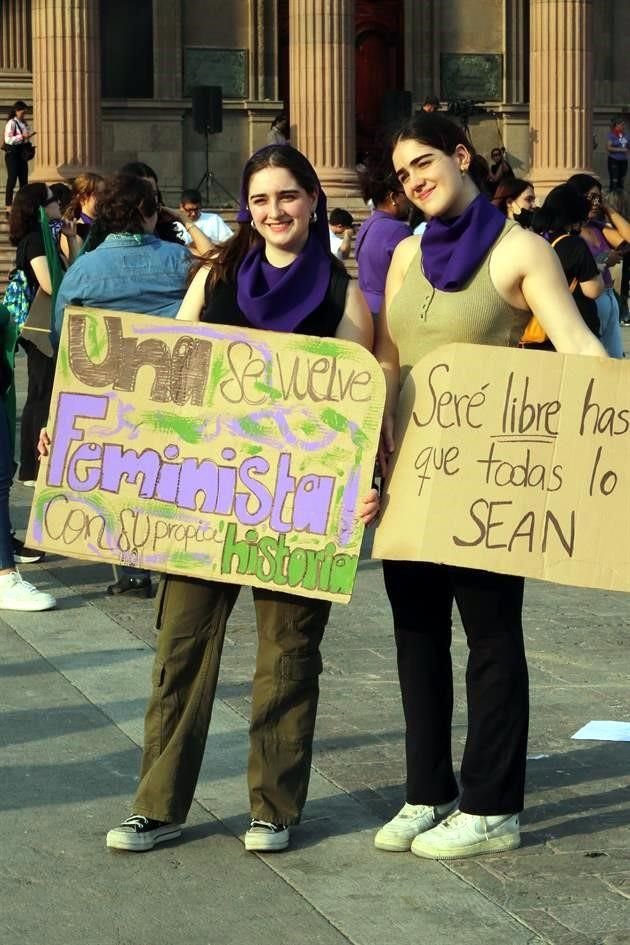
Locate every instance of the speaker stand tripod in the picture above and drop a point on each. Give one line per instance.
(210, 179)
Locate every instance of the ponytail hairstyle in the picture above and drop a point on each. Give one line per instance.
(83, 186)
(508, 190)
(437, 131)
(18, 107)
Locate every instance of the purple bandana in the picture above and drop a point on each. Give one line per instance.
(280, 300)
(452, 249)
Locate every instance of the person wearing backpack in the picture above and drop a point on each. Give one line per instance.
(15, 592)
(17, 134)
(39, 259)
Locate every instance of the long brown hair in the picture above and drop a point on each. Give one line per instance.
(226, 259)
(83, 187)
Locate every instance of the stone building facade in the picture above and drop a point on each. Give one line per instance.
(111, 81)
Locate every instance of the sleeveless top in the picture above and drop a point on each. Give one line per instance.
(422, 318)
(221, 307)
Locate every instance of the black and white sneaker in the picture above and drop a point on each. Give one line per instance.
(139, 833)
(24, 555)
(264, 837)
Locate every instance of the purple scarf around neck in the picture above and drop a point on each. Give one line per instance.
(282, 303)
(453, 249)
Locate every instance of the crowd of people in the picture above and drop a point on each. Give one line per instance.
(116, 246)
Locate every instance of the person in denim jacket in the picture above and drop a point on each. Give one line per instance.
(132, 270)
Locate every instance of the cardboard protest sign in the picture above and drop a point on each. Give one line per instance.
(513, 461)
(217, 452)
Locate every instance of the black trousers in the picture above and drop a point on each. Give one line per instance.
(17, 169)
(497, 687)
(617, 171)
(41, 374)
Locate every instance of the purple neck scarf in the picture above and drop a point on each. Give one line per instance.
(453, 249)
(281, 300)
(86, 219)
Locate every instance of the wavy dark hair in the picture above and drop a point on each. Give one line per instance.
(225, 261)
(584, 182)
(439, 132)
(166, 226)
(378, 180)
(509, 189)
(25, 211)
(124, 203)
(563, 207)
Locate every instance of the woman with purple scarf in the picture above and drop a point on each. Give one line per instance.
(475, 277)
(276, 273)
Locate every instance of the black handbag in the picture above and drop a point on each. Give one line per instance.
(27, 151)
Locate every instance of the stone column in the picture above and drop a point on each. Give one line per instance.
(167, 49)
(66, 88)
(422, 49)
(15, 36)
(560, 90)
(322, 86)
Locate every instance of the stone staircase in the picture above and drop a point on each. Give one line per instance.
(7, 253)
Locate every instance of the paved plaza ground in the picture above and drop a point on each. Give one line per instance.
(74, 686)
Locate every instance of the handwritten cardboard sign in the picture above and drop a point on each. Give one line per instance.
(513, 461)
(221, 453)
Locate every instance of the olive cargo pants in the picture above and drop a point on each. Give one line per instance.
(191, 618)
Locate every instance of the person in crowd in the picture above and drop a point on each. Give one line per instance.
(169, 219)
(210, 224)
(619, 209)
(560, 220)
(500, 170)
(279, 132)
(63, 194)
(83, 201)
(31, 257)
(516, 199)
(617, 147)
(475, 277)
(430, 104)
(16, 134)
(15, 592)
(131, 270)
(383, 230)
(341, 229)
(602, 237)
(276, 273)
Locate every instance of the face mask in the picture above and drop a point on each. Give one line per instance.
(525, 219)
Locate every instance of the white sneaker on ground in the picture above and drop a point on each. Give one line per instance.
(264, 837)
(18, 594)
(463, 835)
(139, 833)
(397, 835)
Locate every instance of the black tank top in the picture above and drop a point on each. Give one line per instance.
(221, 307)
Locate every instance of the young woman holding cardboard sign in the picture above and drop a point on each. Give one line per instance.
(276, 273)
(475, 278)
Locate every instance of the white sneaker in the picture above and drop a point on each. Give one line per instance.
(468, 835)
(18, 594)
(397, 835)
(265, 837)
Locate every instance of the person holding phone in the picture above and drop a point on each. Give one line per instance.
(16, 134)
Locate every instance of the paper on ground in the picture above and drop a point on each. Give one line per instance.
(605, 731)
